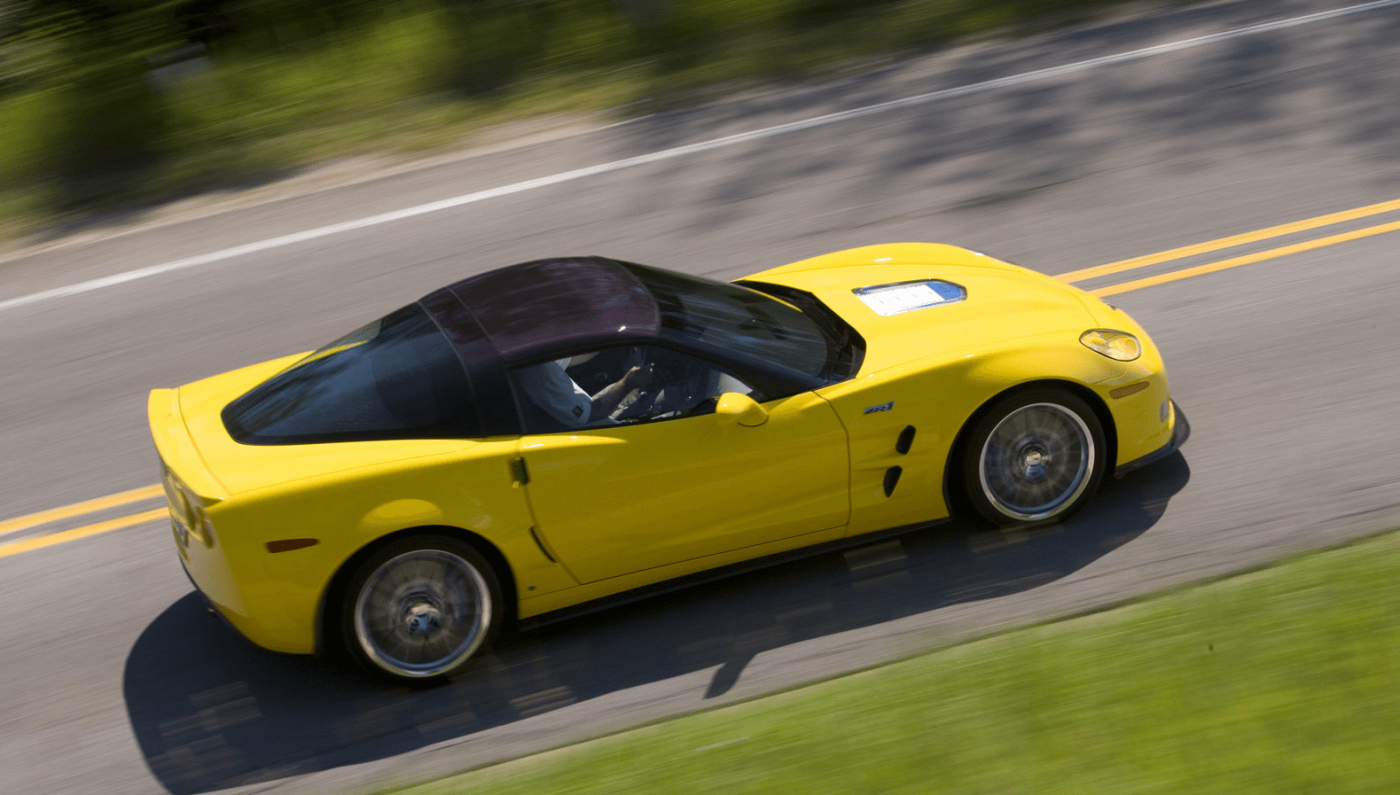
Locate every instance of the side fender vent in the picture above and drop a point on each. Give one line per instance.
(905, 441)
(891, 479)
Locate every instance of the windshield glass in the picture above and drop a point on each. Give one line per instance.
(744, 322)
(397, 377)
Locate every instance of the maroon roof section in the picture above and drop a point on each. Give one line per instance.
(536, 307)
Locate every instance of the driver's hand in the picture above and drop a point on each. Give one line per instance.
(638, 377)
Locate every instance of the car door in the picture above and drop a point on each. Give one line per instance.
(674, 480)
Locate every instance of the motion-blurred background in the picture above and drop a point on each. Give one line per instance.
(1229, 169)
(110, 103)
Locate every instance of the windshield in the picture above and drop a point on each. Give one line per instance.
(397, 377)
(742, 321)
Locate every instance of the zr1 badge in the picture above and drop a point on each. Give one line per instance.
(881, 407)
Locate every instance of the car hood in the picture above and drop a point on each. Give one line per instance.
(1002, 301)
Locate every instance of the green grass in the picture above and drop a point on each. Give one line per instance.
(423, 78)
(1285, 680)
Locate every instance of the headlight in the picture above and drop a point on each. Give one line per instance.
(1118, 345)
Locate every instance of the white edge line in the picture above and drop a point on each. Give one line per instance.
(680, 151)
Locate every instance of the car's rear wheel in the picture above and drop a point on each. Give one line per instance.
(1033, 457)
(421, 608)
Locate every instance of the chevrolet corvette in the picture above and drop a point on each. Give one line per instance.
(565, 432)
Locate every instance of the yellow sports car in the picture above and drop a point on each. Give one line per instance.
(563, 431)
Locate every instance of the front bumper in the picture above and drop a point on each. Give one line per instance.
(1181, 431)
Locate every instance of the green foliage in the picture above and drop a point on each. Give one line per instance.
(102, 120)
(826, 11)
(137, 99)
(112, 124)
(27, 122)
(491, 48)
(1284, 680)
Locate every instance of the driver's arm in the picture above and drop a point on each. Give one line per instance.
(550, 388)
(607, 399)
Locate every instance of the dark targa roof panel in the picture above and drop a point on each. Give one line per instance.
(536, 307)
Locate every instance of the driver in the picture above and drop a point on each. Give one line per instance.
(548, 386)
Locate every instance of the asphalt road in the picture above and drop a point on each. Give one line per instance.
(117, 682)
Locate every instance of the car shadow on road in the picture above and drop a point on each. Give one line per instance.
(210, 712)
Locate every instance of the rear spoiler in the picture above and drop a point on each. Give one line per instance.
(177, 450)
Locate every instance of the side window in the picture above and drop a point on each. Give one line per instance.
(619, 386)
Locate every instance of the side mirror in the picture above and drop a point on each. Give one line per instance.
(742, 408)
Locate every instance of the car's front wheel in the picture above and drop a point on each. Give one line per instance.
(421, 607)
(1034, 456)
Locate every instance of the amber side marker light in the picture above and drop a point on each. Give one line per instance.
(289, 544)
(1130, 389)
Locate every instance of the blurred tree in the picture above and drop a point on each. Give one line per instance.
(807, 12)
(204, 21)
(495, 42)
(110, 120)
(645, 15)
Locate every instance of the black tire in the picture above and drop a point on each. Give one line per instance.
(1033, 457)
(421, 608)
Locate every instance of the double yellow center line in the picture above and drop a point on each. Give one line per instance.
(35, 520)
(1233, 241)
(53, 515)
